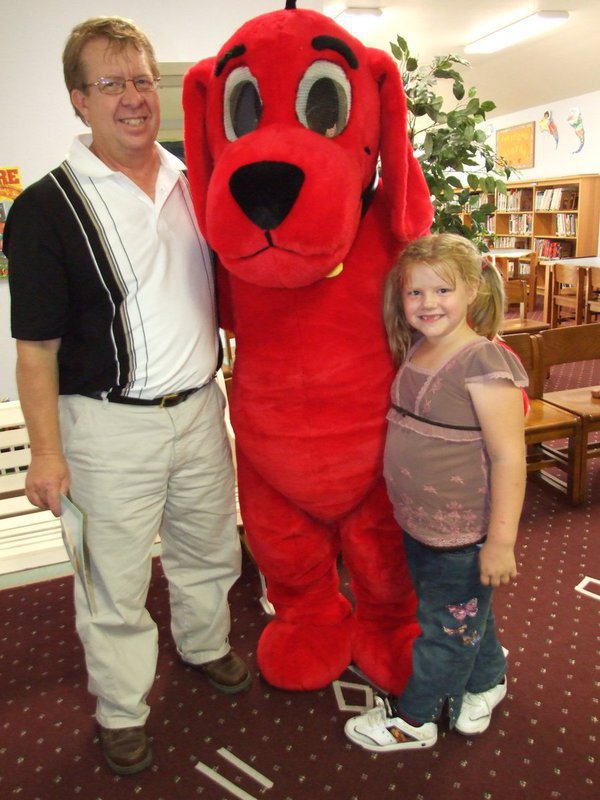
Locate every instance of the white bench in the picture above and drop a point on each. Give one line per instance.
(29, 537)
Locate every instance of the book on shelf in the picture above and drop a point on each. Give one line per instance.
(516, 200)
(552, 249)
(505, 242)
(566, 225)
(511, 243)
(521, 224)
(556, 199)
(569, 201)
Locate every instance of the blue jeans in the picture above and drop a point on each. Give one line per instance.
(457, 650)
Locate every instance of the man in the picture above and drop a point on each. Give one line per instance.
(114, 315)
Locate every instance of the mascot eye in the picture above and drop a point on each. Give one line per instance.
(323, 99)
(243, 106)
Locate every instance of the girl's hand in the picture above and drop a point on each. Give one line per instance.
(497, 564)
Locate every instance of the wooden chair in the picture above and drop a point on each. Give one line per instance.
(540, 281)
(526, 269)
(517, 293)
(544, 426)
(523, 267)
(564, 346)
(592, 295)
(566, 294)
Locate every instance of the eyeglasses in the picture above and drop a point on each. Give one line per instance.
(143, 83)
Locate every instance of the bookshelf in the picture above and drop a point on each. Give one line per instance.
(558, 218)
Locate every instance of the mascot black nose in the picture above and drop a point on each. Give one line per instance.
(266, 191)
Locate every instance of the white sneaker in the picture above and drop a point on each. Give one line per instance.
(378, 730)
(476, 712)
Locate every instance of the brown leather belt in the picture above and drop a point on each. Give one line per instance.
(166, 401)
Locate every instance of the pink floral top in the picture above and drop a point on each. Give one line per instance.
(437, 477)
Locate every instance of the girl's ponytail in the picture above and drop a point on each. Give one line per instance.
(486, 312)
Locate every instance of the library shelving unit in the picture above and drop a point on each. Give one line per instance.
(556, 217)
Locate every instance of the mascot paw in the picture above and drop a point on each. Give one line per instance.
(304, 656)
(384, 654)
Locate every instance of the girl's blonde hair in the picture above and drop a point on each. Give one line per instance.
(449, 256)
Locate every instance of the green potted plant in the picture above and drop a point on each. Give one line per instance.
(462, 170)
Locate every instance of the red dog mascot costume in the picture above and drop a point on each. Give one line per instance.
(283, 130)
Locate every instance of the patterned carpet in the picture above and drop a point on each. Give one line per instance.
(542, 744)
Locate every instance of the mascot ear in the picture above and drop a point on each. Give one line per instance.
(402, 177)
(198, 160)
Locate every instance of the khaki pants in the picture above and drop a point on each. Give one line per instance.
(137, 471)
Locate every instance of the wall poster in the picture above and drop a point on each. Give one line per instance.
(517, 145)
(10, 187)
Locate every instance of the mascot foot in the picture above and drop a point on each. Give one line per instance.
(384, 654)
(304, 656)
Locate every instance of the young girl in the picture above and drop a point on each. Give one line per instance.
(454, 466)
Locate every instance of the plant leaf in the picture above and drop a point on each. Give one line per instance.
(457, 162)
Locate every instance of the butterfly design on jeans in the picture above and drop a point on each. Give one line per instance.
(472, 639)
(455, 631)
(464, 610)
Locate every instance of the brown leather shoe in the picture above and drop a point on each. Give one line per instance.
(228, 674)
(126, 750)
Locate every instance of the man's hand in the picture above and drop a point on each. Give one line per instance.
(47, 478)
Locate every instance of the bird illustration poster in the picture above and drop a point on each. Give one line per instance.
(547, 125)
(575, 120)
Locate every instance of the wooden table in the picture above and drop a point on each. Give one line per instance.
(518, 325)
(590, 261)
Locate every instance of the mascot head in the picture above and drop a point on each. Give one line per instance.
(283, 132)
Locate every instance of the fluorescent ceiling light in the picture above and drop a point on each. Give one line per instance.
(518, 31)
(359, 20)
(362, 11)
